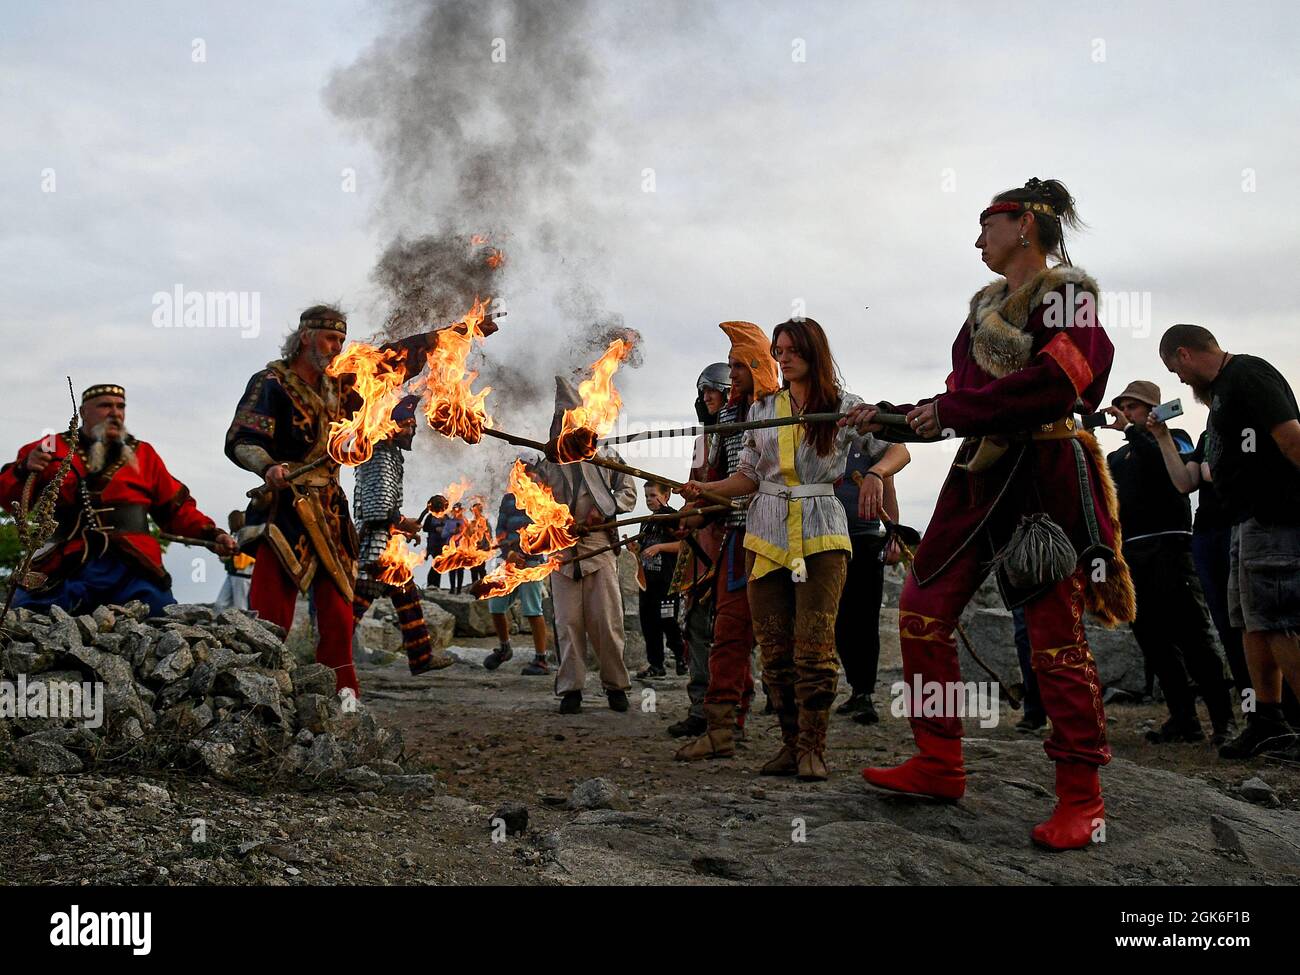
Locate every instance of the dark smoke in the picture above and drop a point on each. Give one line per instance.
(483, 117)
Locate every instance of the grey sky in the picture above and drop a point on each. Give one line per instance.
(775, 180)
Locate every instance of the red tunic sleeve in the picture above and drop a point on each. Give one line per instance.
(1069, 365)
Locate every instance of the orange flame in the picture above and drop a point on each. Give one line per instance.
(507, 577)
(399, 560)
(583, 424)
(478, 240)
(452, 408)
(496, 258)
(456, 491)
(377, 378)
(552, 525)
(464, 549)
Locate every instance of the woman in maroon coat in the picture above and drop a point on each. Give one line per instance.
(1029, 496)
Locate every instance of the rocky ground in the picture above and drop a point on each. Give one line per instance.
(496, 787)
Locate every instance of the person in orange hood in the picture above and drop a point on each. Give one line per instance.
(731, 681)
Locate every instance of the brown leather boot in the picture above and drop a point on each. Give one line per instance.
(718, 741)
(786, 761)
(812, 744)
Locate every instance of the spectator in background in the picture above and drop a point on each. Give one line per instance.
(1035, 716)
(431, 524)
(657, 604)
(1153, 476)
(453, 523)
(698, 563)
(239, 571)
(1253, 450)
(857, 623)
(477, 572)
(529, 595)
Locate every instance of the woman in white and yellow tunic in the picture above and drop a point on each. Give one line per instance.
(798, 540)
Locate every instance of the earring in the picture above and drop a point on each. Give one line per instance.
(1023, 242)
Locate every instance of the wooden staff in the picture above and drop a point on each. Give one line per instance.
(675, 516)
(185, 540)
(605, 462)
(889, 419)
(293, 475)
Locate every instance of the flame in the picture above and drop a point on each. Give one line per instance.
(496, 258)
(452, 409)
(456, 491)
(464, 549)
(478, 240)
(552, 525)
(583, 424)
(399, 560)
(377, 378)
(507, 577)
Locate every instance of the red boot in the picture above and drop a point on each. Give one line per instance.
(1079, 809)
(937, 771)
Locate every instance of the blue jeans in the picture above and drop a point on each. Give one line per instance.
(106, 580)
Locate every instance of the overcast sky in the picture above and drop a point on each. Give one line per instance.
(834, 154)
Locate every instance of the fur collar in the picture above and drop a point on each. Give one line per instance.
(997, 319)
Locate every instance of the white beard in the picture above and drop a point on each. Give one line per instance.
(97, 458)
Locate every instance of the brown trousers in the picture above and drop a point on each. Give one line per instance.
(794, 624)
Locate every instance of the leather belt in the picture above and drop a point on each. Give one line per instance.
(1066, 428)
(798, 491)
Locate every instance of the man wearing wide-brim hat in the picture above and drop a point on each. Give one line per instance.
(1154, 473)
(102, 551)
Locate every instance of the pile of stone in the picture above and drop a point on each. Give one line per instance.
(217, 693)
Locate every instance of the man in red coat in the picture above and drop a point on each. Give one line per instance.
(1029, 496)
(102, 551)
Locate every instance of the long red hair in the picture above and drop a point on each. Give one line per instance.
(809, 341)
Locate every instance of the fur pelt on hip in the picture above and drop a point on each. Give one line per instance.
(1111, 600)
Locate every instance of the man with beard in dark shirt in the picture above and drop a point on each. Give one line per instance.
(1253, 451)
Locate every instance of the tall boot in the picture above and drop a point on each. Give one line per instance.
(929, 655)
(786, 761)
(1079, 809)
(718, 741)
(812, 744)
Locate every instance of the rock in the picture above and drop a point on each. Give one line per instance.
(1258, 791)
(324, 757)
(64, 631)
(105, 619)
(37, 755)
(136, 609)
(215, 757)
(25, 658)
(317, 713)
(514, 815)
(597, 793)
(190, 612)
(441, 623)
(109, 642)
(258, 637)
(313, 679)
(411, 784)
(255, 688)
(471, 615)
(174, 666)
(186, 719)
(140, 793)
(363, 779)
(1225, 834)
